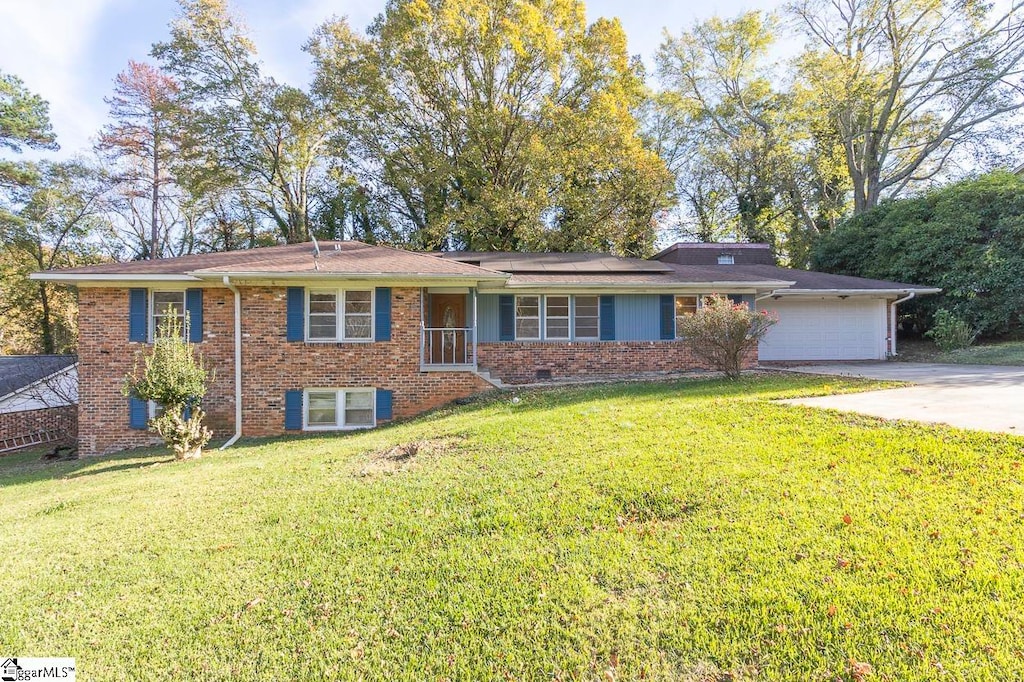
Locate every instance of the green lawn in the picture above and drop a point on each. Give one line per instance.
(676, 531)
(1001, 353)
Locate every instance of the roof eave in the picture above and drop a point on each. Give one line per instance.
(212, 274)
(704, 286)
(73, 278)
(857, 292)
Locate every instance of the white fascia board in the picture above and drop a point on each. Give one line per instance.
(330, 279)
(100, 280)
(876, 293)
(313, 276)
(671, 287)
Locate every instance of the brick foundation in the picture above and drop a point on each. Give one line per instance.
(270, 365)
(519, 362)
(61, 420)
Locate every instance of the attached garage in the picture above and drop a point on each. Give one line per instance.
(825, 328)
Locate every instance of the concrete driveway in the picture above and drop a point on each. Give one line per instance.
(984, 397)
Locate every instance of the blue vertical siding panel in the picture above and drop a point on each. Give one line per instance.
(637, 317)
(488, 320)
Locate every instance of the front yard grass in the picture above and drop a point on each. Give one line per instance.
(675, 531)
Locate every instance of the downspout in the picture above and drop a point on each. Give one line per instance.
(892, 321)
(238, 363)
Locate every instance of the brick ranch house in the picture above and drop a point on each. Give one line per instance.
(352, 335)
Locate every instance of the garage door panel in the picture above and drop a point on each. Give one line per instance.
(825, 329)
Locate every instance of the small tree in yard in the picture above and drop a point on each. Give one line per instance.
(722, 332)
(175, 379)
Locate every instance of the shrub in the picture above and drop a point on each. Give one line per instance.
(951, 332)
(967, 238)
(722, 332)
(175, 379)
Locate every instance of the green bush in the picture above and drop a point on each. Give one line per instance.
(722, 333)
(967, 238)
(951, 332)
(174, 378)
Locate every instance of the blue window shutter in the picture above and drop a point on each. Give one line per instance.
(507, 318)
(293, 410)
(607, 318)
(194, 307)
(296, 315)
(138, 413)
(186, 412)
(138, 327)
(668, 317)
(385, 400)
(382, 314)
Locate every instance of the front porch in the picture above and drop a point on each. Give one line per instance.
(448, 323)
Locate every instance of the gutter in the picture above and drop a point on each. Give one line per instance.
(238, 363)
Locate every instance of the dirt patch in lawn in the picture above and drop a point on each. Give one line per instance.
(406, 456)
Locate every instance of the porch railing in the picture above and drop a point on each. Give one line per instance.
(447, 346)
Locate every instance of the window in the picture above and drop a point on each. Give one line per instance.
(588, 317)
(726, 259)
(556, 317)
(355, 323)
(685, 305)
(347, 408)
(166, 305)
(528, 317)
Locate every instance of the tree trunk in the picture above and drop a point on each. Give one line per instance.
(46, 325)
(155, 226)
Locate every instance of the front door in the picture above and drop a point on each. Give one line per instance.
(446, 342)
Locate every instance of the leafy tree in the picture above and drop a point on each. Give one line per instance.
(175, 379)
(909, 83)
(752, 162)
(49, 225)
(495, 124)
(967, 238)
(724, 333)
(245, 132)
(24, 122)
(143, 139)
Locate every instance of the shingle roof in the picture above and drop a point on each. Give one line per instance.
(809, 279)
(336, 257)
(356, 259)
(19, 371)
(522, 262)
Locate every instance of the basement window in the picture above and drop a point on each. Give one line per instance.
(726, 259)
(334, 409)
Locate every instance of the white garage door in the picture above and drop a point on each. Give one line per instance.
(825, 329)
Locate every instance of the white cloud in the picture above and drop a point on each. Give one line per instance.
(46, 43)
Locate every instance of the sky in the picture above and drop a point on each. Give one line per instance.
(69, 51)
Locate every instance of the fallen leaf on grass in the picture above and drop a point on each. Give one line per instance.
(847, 519)
(860, 671)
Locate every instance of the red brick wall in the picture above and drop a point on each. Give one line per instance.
(105, 355)
(270, 365)
(517, 362)
(63, 420)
